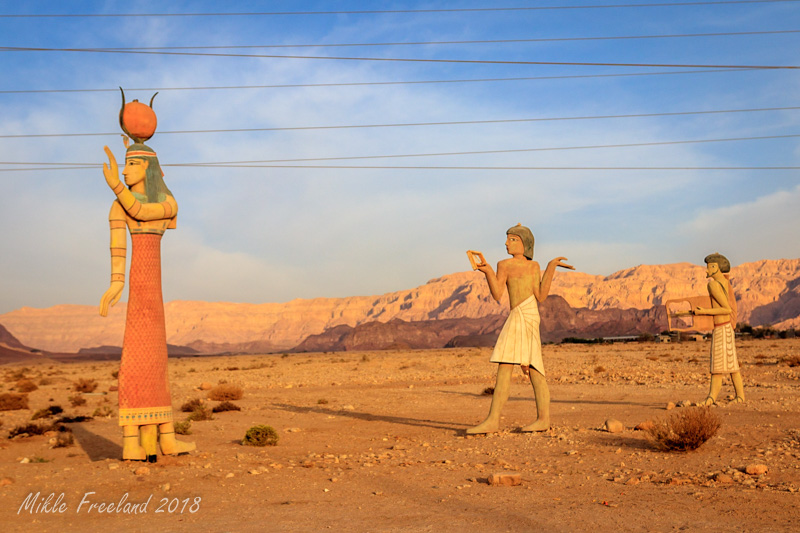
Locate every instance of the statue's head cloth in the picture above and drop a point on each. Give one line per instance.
(721, 260)
(154, 186)
(526, 235)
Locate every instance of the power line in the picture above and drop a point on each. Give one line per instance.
(429, 43)
(403, 59)
(263, 163)
(358, 84)
(419, 124)
(395, 11)
(509, 151)
(347, 167)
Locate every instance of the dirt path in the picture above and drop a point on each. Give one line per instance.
(375, 442)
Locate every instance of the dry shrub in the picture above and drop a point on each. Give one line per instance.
(183, 428)
(220, 393)
(10, 401)
(322, 401)
(63, 440)
(191, 405)
(85, 385)
(488, 391)
(200, 414)
(226, 406)
(73, 419)
(77, 401)
(685, 430)
(16, 375)
(599, 369)
(103, 411)
(26, 385)
(260, 436)
(794, 360)
(47, 412)
(28, 430)
(45, 381)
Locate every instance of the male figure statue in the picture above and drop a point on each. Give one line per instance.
(723, 347)
(519, 342)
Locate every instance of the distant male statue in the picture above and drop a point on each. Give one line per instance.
(145, 209)
(519, 342)
(723, 346)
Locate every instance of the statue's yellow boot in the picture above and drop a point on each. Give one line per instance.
(169, 444)
(132, 449)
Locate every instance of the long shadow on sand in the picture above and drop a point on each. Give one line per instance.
(369, 417)
(98, 448)
(581, 400)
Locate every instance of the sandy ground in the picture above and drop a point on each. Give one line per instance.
(374, 441)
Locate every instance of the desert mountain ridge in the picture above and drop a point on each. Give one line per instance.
(768, 293)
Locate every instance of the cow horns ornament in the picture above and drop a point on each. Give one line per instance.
(137, 120)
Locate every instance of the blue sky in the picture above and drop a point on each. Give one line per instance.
(266, 234)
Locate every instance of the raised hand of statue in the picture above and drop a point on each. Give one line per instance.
(559, 262)
(110, 170)
(485, 268)
(111, 296)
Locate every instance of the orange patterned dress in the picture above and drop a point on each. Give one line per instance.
(144, 396)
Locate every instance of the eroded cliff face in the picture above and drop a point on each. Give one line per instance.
(768, 292)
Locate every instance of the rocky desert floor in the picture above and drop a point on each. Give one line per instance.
(374, 441)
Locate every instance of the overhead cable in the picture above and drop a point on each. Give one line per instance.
(268, 162)
(403, 59)
(420, 124)
(394, 11)
(358, 84)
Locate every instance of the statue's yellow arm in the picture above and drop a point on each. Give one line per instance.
(119, 241)
(145, 211)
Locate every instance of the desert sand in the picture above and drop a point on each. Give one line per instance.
(374, 441)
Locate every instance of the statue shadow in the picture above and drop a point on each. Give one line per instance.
(97, 447)
(560, 401)
(369, 417)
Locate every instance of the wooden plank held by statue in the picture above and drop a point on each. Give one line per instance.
(681, 318)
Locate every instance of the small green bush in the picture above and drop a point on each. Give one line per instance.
(183, 428)
(260, 436)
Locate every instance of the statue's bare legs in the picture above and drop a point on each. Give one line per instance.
(501, 389)
(738, 387)
(542, 394)
(716, 385)
(169, 444)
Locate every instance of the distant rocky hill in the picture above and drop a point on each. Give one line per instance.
(768, 292)
(11, 350)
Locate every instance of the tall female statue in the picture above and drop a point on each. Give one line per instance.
(147, 208)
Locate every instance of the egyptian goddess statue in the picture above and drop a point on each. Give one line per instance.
(146, 209)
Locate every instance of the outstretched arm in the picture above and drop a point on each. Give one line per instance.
(136, 209)
(119, 244)
(547, 277)
(497, 283)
